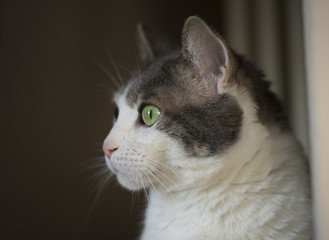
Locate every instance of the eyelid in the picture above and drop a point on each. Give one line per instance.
(144, 104)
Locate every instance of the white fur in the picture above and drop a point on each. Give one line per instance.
(258, 189)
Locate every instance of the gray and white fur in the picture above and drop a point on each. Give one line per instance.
(220, 162)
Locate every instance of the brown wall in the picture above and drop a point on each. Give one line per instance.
(54, 117)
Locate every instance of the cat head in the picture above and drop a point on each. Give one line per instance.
(188, 113)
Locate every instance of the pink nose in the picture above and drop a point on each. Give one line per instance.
(109, 149)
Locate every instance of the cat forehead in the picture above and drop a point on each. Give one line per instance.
(147, 83)
(172, 82)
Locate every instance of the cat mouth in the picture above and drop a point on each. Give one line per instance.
(116, 171)
(111, 166)
(128, 177)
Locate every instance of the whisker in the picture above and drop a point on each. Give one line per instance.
(138, 197)
(134, 195)
(93, 163)
(97, 165)
(106, 71)
(100, 172)
(160, 163)
(152, 183)
(132, 200)
(114, 65)
(126, 69)
(139, 69)
(100, 185)
(105, 89)
(143, 185)
(160, 183)
(162, 174)
(163, 165)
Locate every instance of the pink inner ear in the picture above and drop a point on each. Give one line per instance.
(213, 61)
(208, 51)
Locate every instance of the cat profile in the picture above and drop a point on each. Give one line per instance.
(200, 130)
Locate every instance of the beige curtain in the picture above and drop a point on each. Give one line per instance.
(269, 32)
(316, 20)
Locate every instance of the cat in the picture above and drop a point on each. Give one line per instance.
(199, 128)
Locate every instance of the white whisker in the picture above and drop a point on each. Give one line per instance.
(139, 69)
(143, 185)
(133, 195)
(104, 89)
(126, 69)
(114, 65)
(104, 180)
(162, 174)
(170, 169)
(152, 182)
(106, 71)
(91, 164)
(159, 182)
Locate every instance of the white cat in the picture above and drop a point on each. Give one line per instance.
(200, 129)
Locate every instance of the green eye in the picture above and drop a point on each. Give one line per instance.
(150, 115)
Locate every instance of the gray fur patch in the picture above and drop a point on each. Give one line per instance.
(205, 130)
(270, 110)
(154, 77)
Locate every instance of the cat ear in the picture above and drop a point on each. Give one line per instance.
(152, 43)
(206, 50)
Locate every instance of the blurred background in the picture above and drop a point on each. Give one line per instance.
(56, 104)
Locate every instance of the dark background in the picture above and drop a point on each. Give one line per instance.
(56, 110)
(54, 115)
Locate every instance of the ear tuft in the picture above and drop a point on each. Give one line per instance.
(144, 49)
(152, 43)
(206, 50)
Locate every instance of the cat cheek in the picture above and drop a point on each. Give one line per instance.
(143, 133)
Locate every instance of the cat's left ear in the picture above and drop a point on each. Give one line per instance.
(152, 43)
(208, 52)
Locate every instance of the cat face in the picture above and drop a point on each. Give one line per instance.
(194, 122)
(180, 116)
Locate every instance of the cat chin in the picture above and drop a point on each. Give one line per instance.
(128, 183)
(127, 180)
